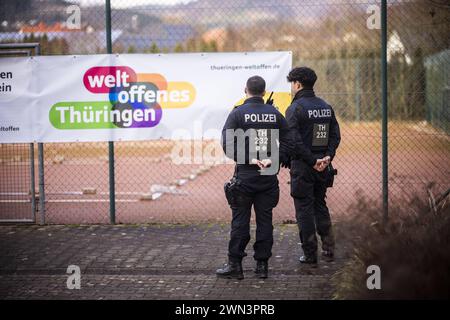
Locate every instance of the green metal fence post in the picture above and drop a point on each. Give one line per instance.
(41, 183)
(112, 192)
(32, 183)
(358, 90)
(41, 168)
(385, 109)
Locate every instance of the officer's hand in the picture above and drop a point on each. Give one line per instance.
(325, 163)
(327, 160)
(258, 163)
(320, 165)
(266, 163)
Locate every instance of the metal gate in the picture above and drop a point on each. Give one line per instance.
(17, 162)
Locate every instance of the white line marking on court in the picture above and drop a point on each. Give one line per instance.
(68, 193)
(88, 200)
(70, 200)
(123, 193)
(14, 193)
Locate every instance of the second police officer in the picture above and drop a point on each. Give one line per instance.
(315, 135)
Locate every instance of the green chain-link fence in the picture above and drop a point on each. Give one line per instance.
(339, 39)
(437, 93)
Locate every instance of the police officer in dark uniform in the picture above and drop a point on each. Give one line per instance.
(316, 136)
(255, 182)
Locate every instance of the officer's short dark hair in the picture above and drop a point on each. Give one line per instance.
(256, 86)
(306, 76)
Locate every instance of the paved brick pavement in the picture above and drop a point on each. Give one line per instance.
(151, 262)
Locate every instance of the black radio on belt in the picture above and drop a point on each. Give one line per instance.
(230, 187)
(331, 170)
(331, 173)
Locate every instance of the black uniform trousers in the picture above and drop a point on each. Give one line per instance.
(308, 188)
(263, 202)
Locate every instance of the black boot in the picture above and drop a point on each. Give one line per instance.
(308, 259)
(262, 269)
(328, 255)
(231, 270)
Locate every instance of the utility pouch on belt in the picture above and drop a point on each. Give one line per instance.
(230, 188)
(331, 172)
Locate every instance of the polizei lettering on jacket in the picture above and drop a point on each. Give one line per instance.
(319, 113)
(260, 117)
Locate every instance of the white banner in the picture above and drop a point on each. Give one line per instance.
(130, 96)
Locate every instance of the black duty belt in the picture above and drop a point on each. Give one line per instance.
(318, 155)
